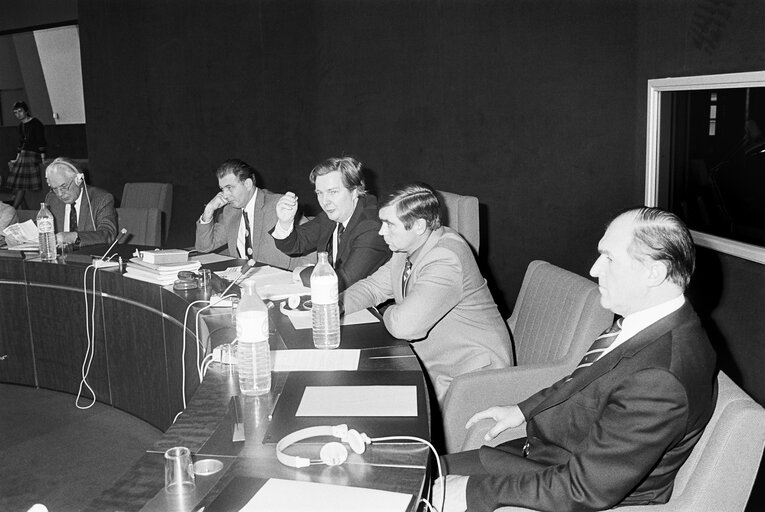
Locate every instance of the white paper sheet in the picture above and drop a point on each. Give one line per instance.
(358, 401)
(313, 360)
(302, 319)
(279, 495)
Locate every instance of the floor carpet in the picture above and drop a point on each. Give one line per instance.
(55, 454)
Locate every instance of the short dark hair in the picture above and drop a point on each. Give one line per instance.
(663, 236)
(349, 169)
(239, 168)
(21, 105)
(415, 201)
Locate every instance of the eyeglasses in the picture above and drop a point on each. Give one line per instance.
(62, 188)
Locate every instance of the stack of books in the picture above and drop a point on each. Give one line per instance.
(158, 273)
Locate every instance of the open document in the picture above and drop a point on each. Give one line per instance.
(22, 236)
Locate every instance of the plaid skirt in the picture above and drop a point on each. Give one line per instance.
(26, 172)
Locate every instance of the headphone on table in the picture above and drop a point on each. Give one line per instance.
(331, 454)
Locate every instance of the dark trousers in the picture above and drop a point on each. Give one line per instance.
(469, 462)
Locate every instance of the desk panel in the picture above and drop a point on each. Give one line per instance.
(57, 308)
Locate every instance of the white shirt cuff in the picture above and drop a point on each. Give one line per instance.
(281, 234)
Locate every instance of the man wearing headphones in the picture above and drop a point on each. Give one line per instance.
(84, 215)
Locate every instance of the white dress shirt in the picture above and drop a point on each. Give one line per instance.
(636, 322)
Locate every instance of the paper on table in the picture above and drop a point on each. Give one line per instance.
(288, 495)
(312, 360)
(358, 401)
(303, 321)
(22, 234)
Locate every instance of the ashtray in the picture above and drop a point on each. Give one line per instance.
(206, 467)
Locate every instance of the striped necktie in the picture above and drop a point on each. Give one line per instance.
(601, 344)
(405, 276)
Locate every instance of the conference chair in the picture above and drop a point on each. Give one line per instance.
(150, 195)
(556, 317)
(461, 214)
(720, 472)
(143, 225)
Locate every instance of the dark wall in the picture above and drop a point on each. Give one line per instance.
(528, 105)
(20, 15)
(709, 37)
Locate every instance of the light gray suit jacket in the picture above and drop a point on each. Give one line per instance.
(101, 203)
(448, 311)
(224, 229)
(8, 216)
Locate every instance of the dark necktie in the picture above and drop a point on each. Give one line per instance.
(247, 238)
(601, 344)
(330, 252)
(72, 218)
(405, 276)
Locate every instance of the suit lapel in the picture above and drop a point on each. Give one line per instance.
(344, 248)
(83, 216)
(431, 242)
(601, 367)
(232, 228)
(256, 224)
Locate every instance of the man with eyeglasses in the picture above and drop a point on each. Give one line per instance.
(84, 215)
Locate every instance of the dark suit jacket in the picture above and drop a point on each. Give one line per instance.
(224, 229)
(361, 251)
(615, 434)
(104, 215)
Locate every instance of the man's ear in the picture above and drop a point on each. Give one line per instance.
(249, 183)
(420, 226)
(657, 272)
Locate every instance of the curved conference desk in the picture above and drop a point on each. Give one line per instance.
(138, 333)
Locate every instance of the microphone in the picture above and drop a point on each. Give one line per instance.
(247, 266)
(242, 271)
(122, 233)
(102, 262)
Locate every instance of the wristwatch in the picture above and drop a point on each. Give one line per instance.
(76, 243)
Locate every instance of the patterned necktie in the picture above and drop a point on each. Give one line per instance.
(247, 241)
(72, 218)
(601, 344)
(405, 276)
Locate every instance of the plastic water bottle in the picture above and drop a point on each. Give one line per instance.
(253, 353)
(326, 315)
(47, 234)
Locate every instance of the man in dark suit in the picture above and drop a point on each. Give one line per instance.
(239, 217)
(83, 215)
(617, 430)
(347, 228)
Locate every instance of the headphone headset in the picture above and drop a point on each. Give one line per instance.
(334, 453)
(331, 454)
(78, 176)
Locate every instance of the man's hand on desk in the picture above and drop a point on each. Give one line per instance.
(456, 493)
(67, 237)
(505, 418)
